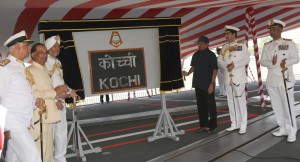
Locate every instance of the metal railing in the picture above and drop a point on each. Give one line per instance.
(121, 96)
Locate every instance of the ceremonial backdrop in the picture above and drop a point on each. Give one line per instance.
(168, 47)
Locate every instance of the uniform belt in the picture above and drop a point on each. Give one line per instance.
(236, 84)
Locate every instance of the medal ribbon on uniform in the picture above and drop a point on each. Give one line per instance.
(283, 47)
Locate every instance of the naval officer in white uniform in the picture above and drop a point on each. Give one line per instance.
(233, 58)
(281, 54)
(56, 73)
(16, 96)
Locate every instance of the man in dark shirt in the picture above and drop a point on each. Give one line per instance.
(205, 67)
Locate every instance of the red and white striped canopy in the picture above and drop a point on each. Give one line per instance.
(199, 17)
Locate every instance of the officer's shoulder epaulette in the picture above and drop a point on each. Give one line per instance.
(4, 62)
(287, 39)
(268, 42)
(225, 44)
(240, 41)
(29, 76)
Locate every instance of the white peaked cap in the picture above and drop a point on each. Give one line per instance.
(275, 22)
(231, 28)
(17, 38)
(51, 41)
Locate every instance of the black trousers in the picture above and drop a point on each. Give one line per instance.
(206, 104)
(106, 97)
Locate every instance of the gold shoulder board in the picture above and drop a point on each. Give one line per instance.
(240, 41)
(267, 42)
(29, 76)
(4, 62)
(287, 39)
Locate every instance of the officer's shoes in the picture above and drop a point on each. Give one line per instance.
(279, 133)
(242, 130)
(202, 129)
(232, 129)
(211, 130)
(291, 138)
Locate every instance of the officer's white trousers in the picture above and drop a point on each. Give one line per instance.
(237, 105)
(60, 138)
(281, 109)
(21, 147)
(221, 80)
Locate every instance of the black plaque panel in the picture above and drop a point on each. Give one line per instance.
(117, 70)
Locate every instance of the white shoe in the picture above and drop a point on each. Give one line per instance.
(232, 129)
(279, 133)
(242, 130)
(291, 138)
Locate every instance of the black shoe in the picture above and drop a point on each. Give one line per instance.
(211, 130)
(101, 102)
(203, 129)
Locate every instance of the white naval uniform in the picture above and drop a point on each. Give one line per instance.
(283, 48)
(16, 96)
(60, 128)
(235, 84)
(220, 75)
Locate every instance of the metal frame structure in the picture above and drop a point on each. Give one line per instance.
(165, 127)
(76, 130)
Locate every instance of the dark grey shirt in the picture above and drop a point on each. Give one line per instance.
(204, 62)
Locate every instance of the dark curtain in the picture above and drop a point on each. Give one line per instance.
(170, 65)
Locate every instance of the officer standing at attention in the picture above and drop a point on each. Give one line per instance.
(16, 96)
(279, 56)
(234, 58)
(56, 73)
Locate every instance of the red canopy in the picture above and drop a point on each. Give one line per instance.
(199, 17)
